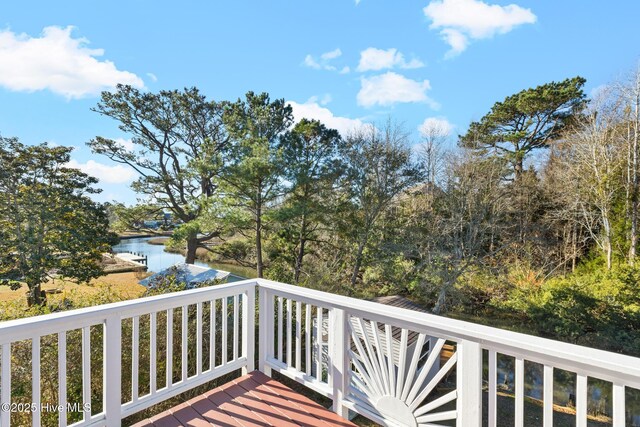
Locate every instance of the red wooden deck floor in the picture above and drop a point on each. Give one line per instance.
(254, 400)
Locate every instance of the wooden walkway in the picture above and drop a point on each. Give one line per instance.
(254, 400)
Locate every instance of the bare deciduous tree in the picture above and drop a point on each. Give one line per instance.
(591, 156)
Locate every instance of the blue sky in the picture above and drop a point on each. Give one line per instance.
(341, 61)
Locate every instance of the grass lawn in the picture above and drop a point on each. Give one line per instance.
(124, 284)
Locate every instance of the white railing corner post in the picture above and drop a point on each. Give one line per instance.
(265, 329)
(112, 382)
(469, 384)
(249, 329)
(339, 345)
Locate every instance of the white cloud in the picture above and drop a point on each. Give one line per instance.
(126, 143)
(390, 88)
(311, 63)
(58, 62)
(153, 77)
(379, 59)
(117, 174)
(462, 20)
(439, 124)
(313, 110)
(324, 100)
(331, 54)
(456, 40)
(324, 61)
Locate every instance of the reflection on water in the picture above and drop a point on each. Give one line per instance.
(159, 260)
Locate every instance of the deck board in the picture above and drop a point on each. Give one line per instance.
(254, 400)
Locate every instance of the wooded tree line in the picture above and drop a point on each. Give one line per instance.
(532, 214)
(544, 185)
(230, 167)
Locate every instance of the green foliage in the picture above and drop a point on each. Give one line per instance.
(253, 176)
(123, 218)
(379, 167)
(313, 169)
(236, 250)
(596, 308)
(392, 277)
(528, 120)
(48, 223)
(173, 281)
(179, 142)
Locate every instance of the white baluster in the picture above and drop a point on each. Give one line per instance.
(153, 377)
(307, 335)
(185, 320)
(235, 327)
(319, 342)
(339, 344)
(548, 396)
(169, 348)
(519, 385)
(493, 388)
(135, 340)
(265, 332)
(280, 329)
(5, 385)
(86, 372)
(212, 336)
(249, 329)
(199, 338)
(298, 336)
(619, 414)
(289, 337)
(469, 379)
(35, 380)
(581, 401)
(62, 379)
(112, 371)
(225, 332)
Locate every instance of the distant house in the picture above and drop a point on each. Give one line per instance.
(152, 224)
(192, 275)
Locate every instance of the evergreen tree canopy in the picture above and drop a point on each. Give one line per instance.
(528, 120)
(48, 225)
(178, 141)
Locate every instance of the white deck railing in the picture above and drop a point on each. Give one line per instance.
(382, 362)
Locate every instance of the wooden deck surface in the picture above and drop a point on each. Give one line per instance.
(254, 400)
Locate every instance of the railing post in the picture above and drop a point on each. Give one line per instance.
(265, 329)
(339, 344)
(112, 382)
(249, 329)
(469, 384)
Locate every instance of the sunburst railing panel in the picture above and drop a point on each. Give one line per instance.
(399, 381)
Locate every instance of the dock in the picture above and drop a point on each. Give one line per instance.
(133, 257)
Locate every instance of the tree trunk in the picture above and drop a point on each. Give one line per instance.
(518, 165)
(358, 264)
(259, 265)
(299, 260)
(192, 246)
(440, 302)
(301, 244)
(607, 245)
(574, 245)
(35, 296)
(634, 183)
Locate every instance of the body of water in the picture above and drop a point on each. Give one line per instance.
(158, 259)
